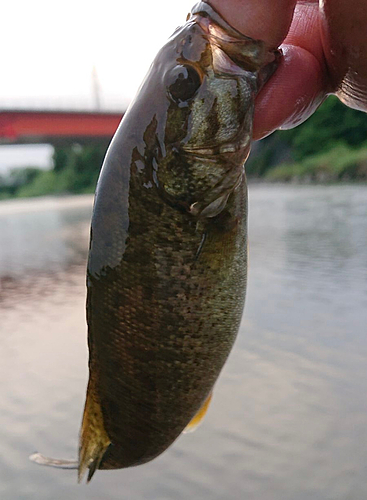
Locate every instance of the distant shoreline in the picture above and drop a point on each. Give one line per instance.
(41, 203)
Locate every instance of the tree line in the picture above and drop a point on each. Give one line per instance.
(330, 146)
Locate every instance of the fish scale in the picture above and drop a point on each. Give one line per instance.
(191, 284)
(167, 266)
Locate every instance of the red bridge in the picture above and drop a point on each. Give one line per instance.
(33, 126)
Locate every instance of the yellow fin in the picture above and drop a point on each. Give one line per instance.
(196, 421)
(94, 440)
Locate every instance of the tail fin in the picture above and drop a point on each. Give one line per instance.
(94, 440)
(40, 459)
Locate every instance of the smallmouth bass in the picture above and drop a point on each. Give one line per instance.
(167, 263)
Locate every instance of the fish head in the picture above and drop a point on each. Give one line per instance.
(209, 75)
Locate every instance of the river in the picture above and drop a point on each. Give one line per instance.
(288, 420)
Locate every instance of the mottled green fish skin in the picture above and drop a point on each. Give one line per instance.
(168, 253)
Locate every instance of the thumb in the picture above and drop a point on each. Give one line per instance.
(267, 20)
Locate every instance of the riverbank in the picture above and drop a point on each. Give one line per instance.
(341, 163)
(329, 147)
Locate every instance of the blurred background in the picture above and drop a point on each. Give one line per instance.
(288, 420)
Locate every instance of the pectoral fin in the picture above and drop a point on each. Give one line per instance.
(196, 421)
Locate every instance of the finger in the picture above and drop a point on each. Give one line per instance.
(301, 81)
(294, 92)
(266, 20)
(343, 26)
(305, 29)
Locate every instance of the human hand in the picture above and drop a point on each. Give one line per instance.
(325, 51)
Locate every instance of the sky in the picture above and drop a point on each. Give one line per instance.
(49, 49)
(25, 155)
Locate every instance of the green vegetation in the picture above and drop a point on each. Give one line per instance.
(11, 184)
(340, 163)
(75, 170)
(330, 146)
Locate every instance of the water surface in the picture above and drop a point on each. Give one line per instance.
(288, 420)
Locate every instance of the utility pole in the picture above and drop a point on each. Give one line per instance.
(96, 90)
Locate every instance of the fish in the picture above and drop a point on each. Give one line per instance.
(167, 266)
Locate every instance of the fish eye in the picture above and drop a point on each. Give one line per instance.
(185, 83)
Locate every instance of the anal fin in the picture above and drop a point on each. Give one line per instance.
(94, 440)
(198, 418)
